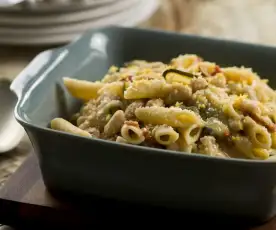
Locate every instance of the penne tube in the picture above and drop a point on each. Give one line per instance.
(183, 146)
(245, 146)
(114, 88)
(239, 75)
(230, 111)
(81, 89)
(174, 117)
(132, 134)
(178, 93)
(65, 126)
(258, 135)
(273, 139)
(191, 133)
(260, 153)
(147, 89)
(165, 135)
(185, 61)
(115, 123)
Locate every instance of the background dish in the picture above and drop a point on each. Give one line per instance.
(43, 6)
(32, 20)
(56, 28)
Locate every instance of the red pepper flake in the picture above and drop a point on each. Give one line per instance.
(272, 128)
(217, 70)
(226, 134)
(127, 79)
(130, 78)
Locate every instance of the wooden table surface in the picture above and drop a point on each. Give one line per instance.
(25, 201)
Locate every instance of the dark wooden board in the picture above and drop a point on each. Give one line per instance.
(24, 201)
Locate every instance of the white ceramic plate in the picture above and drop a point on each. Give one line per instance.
(55, 6)
(132, 17)
(32, 20)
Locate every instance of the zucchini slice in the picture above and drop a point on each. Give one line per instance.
(175, 75)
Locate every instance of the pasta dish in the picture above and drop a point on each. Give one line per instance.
(187, 105)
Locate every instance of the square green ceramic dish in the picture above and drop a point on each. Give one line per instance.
(83, 166)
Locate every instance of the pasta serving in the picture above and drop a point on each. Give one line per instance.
(187, 105)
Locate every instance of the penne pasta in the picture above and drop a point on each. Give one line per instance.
(62, 125)
(132, 134)
(185, 61)
(189, 105)
(84, 90)
(174, 117)
(258, 135)
(165, 135)
(273, 140)
(115, 124)
(245, 146)
(191, 134)
(114, 88)
(178, 93)
(147, 89)
(183, 146)
(239, 74)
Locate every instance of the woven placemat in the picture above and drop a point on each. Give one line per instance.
(10, 161)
